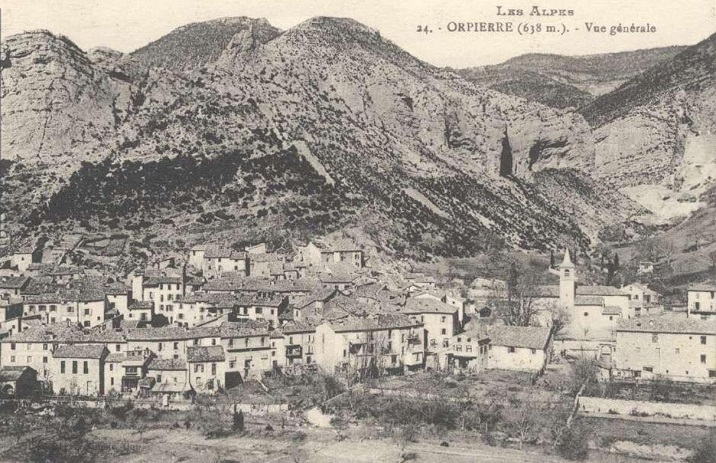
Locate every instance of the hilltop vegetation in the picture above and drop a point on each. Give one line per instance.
(567, 81)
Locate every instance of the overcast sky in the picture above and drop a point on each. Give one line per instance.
(128, 24)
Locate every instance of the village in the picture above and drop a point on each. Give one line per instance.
(215, 320)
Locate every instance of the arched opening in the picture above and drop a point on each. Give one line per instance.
(506, 157)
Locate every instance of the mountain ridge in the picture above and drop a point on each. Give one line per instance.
(367, 115)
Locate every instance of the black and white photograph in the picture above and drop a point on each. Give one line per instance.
(274, 231)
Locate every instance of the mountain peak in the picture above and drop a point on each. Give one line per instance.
(198, 44)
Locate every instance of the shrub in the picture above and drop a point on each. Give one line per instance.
(574, 444)
(706, 451)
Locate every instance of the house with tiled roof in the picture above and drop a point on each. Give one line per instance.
(294, 343)
(140, 311)
(440, 320)
(255, 307)
(351, 345)
(25, 256)
(200, 308)
(524, 348)
(171, 378)
(248, 350)
(206, 366)
(124, 370)
(79, 369)
(702, 299)
(81, 301)
(678, 346)
(343, 251)
(261, 264)
(12, 286)
(468, 351)
(220, 259)
(172, 341)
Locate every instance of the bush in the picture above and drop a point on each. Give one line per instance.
(574, 444)
(706, 451)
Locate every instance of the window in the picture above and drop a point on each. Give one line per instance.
(259, 311)
(232, 364)
(511, 350)
(176, 346)
(703, 339)
(213, 342)
(654, 338)
(566, 273)
(12, 346)
(111, 367)
(159, 378)
(111, 381)
(29, 358)
(12, 359)
(44, 359)
(159, 347)
(649, 369)
(703, 358)
(443, 331)
(213, 369)
(442, 319)
(62, 366)
(74, 367)
(87, 311)
(44, 347)
(85, 367)
(677, 351)
(712, 373)
(117, 347)
(534, 351)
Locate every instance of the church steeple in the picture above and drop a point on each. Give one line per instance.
(567, 280)
(567, 262)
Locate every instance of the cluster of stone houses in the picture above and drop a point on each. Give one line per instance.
(179, 328)
(210, 321)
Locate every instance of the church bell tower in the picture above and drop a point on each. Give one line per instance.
(567, 279)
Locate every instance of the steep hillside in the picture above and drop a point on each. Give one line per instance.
(324, 126)
(199, 44)
(567, 81)
(658, 130)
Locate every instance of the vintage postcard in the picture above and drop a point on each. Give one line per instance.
(358, 231)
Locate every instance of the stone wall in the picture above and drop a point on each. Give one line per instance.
(634, 407)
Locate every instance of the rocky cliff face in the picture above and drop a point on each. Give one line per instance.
(57, 106)
(384, 127)
(656, 130)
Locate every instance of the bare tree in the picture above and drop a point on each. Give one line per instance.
(527, 421)
(560, 317)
